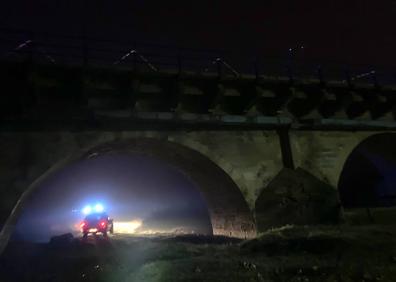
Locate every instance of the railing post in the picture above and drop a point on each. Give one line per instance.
(256, 69)
(348, 77)
(320, 75)
(31, 48)
(290, 73)
(179, 62)
(374, 78)
(219, 68)
(84, 27)
(85, 52)
(290, 65)
(134, 61)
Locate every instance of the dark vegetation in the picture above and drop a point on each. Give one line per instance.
(321, 253)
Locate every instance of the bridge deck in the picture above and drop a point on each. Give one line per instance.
(75, 96)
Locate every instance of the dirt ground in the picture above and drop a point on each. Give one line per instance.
(312, 253)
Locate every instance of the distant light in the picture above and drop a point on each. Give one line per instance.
(127, 227)
(87, 210)
(99, 208)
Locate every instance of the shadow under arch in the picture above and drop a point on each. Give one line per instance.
(369, 172)
(228, 210)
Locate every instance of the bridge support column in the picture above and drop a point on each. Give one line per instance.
(284, 141)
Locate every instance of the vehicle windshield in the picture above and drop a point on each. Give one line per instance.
(96, 216)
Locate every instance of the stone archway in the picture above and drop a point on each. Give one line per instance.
(368, 173)
(228, 210)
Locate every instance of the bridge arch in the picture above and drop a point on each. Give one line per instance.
(228, 210)
(368, 173)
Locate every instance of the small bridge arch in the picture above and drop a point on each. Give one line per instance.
(369, 172)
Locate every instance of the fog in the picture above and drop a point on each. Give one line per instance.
(131, 187)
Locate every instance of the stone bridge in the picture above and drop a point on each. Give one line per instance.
(232, 136)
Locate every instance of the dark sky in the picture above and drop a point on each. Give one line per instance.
(131, 187)
(353, 31)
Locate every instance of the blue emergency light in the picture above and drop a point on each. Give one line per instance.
(89, 209)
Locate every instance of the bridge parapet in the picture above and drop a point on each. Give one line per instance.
(45, 92)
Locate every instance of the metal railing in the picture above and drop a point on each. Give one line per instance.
(76, 50)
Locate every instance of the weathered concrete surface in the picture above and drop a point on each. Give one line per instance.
(27, 155)
(34, 89)
(324, 153)
(250, 159)
(296, 197)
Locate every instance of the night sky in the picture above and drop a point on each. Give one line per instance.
(353, 31)
(131, 187)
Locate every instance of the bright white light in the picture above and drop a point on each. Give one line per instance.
(128, 227)
(99, 208)
(87, 210)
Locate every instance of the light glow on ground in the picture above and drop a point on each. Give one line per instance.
(127, 227)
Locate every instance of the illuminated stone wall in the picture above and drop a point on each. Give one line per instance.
(323, 153)
(245, 160)
(229, 167)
